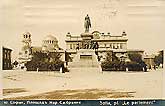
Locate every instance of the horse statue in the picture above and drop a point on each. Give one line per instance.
(87, 23)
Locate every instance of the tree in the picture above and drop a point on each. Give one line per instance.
(108, 57)
(115, 58)
(136, 62)
(159, 59)
(54, 58)
(135, 57)
(45, 61)
(39, 56)
(111, 62)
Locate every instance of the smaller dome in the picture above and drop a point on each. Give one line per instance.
(50, 37)
(96, 34)
(50, 43)
(26, 33)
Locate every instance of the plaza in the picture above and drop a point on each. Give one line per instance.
(83, 85)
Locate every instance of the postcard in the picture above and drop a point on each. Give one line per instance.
(82, 52)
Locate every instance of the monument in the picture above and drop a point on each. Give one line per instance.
(86, 36)
(85, 57)
(87, 23)
(89, 49)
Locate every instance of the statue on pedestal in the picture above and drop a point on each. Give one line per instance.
(87, 23)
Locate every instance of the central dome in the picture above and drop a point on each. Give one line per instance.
(50, 43)
(50, 37)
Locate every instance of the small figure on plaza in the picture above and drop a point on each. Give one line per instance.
(87, 23)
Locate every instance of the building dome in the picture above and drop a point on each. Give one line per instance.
(50, 37)
(26, 33)
(96, 34)
(50, 43)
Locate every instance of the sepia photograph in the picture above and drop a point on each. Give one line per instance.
(82, 50)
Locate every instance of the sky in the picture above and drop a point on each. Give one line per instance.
(143, 21)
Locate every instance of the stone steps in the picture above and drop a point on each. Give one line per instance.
(83, 64)
(85, 70)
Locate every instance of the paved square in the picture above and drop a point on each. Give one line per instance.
(83, 85)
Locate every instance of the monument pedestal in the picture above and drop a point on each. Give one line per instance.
(86, 37)
(85, 59)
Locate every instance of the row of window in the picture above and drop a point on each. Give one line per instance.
(49, 41)
(27, 36)
(114, 45)
(6, 51)
(111, 45)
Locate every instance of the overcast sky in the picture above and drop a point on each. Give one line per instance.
(143, 20)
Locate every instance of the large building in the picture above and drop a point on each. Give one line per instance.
(106, 43)
(6, 59)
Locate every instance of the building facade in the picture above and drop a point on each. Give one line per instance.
(6, 58)
(105, 42)
(149, 60)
